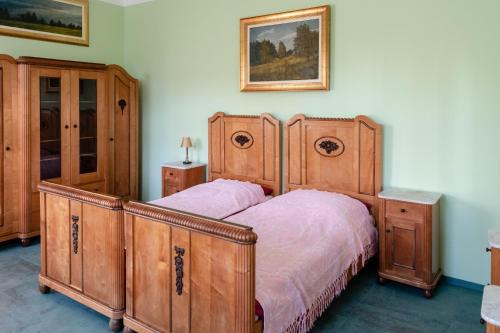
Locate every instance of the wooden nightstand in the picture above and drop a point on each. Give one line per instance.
(409, 238)
(177, 176)
(494, 242)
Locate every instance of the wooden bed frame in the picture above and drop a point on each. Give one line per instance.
(83, 239)
(187, 273)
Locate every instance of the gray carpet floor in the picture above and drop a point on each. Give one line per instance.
(364, 307)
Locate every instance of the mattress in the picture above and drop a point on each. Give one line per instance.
(309, 243)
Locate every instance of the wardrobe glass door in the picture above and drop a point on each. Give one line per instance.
(50, 128)
(88, 127)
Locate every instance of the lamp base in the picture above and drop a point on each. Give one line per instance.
(187, 162)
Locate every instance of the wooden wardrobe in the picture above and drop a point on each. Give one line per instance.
(72, 121)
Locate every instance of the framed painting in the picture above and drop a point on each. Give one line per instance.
(286, 51)
(64, 21)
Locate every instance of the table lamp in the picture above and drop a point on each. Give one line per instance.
(186, 143)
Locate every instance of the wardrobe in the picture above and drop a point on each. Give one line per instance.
(66, 122)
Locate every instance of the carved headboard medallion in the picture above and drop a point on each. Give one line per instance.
(242, 140)
(329, 146)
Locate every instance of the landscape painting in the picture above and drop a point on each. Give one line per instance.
(287, 51)
(63, 21)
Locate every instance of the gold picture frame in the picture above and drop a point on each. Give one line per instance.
(288, 51)
(63, 21)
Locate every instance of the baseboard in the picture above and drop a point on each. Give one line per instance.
(462, 283)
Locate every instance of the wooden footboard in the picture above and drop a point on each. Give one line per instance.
(82, 248)
(187, 273)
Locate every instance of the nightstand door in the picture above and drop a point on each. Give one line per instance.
(403, 247)
(495, 266)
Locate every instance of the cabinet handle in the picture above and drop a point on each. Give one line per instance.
(488, 249)
(388, 230)
(66, 126)
(403, 210)
(171, 174)
(75, 126)
(111, 139)
(7, 148)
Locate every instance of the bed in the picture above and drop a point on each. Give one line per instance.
(83, 233)
(188, 273)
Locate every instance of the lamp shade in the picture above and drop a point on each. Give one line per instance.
(186, 142)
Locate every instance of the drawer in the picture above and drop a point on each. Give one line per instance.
(172, 176)
(405, 210)
(172, 190)
(94, 187)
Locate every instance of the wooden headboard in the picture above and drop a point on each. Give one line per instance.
(245, 148)
(337, 155)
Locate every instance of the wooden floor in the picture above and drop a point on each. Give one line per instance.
(365, 307)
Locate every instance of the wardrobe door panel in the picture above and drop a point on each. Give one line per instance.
(88, 127)
(124, 122)
(3, 226)
(9, 150)
(49, 126)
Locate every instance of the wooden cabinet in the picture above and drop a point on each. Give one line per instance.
(177, 176)
(494, 248)
(409, 238)
(9, 150)
(68, 123)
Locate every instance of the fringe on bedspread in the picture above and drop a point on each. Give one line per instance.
(305, 321)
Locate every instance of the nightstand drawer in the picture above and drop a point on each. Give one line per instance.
(171, 190)
(172, 176)
(404, 210)
(177, 177)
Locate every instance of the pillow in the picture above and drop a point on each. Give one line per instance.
(267, 190)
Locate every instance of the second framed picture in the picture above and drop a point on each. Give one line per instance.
(286, 51)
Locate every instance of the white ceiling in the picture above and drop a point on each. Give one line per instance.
(126, 3)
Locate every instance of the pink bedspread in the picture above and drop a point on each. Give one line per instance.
(307, 241)
(218, 199)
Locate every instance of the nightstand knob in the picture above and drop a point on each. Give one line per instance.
(488, 249)
(403, 210)
(171, 174)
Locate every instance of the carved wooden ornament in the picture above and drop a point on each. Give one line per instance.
(179, 269)
(329, 146)
(75, 220)
(242, 139)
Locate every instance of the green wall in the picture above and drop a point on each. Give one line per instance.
(106, 39)
(428, 70)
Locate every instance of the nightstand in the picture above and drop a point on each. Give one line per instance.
(490, 308)
(177, 176)
(409, 238)
(494, 242)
